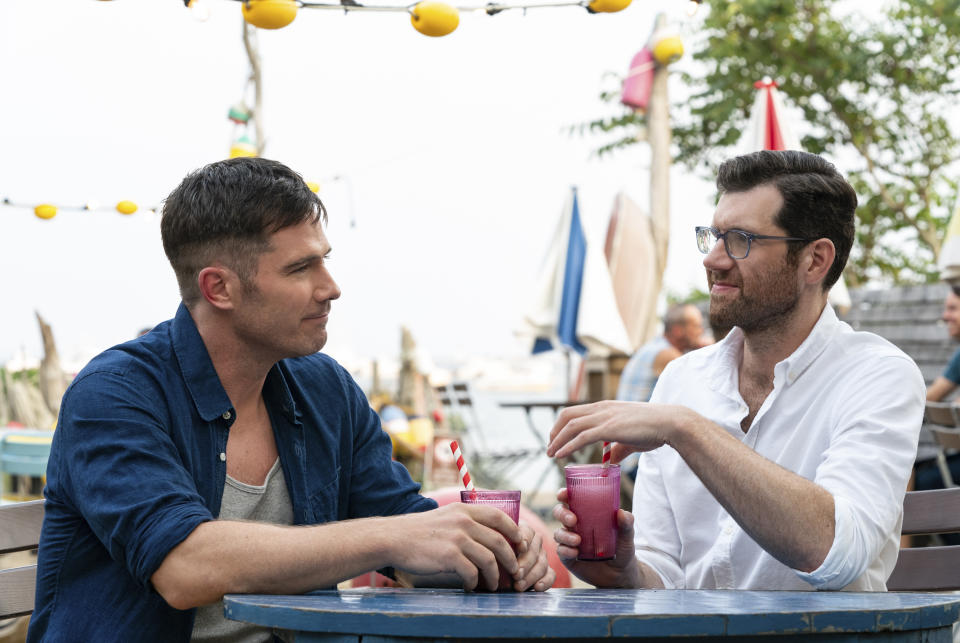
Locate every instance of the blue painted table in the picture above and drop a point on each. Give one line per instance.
(379, 615)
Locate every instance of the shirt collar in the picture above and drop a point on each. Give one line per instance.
(197, 367)
(203, 382)
(275, 388)
(724, 365)
(799, 360)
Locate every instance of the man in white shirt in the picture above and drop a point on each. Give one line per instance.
(778, 457)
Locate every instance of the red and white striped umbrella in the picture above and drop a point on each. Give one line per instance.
(768, 130)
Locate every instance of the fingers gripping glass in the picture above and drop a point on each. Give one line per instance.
(735, 242)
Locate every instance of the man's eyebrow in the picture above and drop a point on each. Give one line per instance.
(308, 259)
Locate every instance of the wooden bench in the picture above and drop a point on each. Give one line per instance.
(943, 421)
(929, 568)
(19, 530)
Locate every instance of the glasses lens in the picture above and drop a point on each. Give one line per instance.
(738, 244)
(705, 240)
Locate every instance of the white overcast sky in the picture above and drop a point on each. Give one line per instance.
(454, 154)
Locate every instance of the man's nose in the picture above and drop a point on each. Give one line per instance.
(327, 289)
(717, 258)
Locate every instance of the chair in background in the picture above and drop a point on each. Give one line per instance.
(943, 420)
(19, 531)
(490, 466)
(929, 568)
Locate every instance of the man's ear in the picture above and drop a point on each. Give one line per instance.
(216, 286)
(819, 258)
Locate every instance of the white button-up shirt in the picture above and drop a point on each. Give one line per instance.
(845, 412)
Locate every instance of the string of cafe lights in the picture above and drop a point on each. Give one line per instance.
(429, 17)
(47, 211)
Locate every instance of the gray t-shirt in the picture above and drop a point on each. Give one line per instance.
(267, 503)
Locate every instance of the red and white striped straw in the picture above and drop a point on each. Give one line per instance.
(461, 465)
(605, 458)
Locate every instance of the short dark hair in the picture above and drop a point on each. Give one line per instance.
(226, 211)
(817, 201)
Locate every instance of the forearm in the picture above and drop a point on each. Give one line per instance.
(789, 516)
(221, 557)
(639, 575)
(939, 389)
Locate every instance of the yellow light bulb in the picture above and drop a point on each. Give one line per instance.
(667, 47)
(608, 6)
(269, 14)
(433, 18)
(45, 211)
(126, 207)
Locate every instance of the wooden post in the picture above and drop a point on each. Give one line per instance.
(250, 44)
(658, 135)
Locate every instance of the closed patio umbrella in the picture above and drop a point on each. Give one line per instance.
(574, 307)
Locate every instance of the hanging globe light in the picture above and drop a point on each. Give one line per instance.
(433, 18)
(667, 46)
(269, 14)
(45, 211)
(126, 207)
(607, 6)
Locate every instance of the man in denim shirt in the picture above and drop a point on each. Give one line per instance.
(176, 451)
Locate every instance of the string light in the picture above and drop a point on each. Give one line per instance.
(429, 17)
(47, 211)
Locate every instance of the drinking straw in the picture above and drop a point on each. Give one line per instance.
(605, 458)
(461, 465)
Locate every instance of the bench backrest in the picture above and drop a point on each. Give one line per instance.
(929, 568)
(19, 530)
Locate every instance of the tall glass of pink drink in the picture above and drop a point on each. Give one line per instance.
(594, 496)
(506, 501)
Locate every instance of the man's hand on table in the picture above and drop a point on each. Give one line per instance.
(538, 575)
(459, 540)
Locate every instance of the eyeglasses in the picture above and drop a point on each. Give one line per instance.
(735, 242)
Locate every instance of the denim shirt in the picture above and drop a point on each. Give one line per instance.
(138, 461)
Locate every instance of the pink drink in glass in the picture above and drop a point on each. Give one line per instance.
(594, 496)
(506, 501)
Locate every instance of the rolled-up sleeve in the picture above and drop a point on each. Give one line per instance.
(866, 469)
(123, 473)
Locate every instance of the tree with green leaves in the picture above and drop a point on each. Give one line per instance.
(877, 89)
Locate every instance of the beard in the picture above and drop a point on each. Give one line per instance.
(771, 299)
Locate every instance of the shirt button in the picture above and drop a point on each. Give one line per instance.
(223, 457)
(226, 415)
(728, 530)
